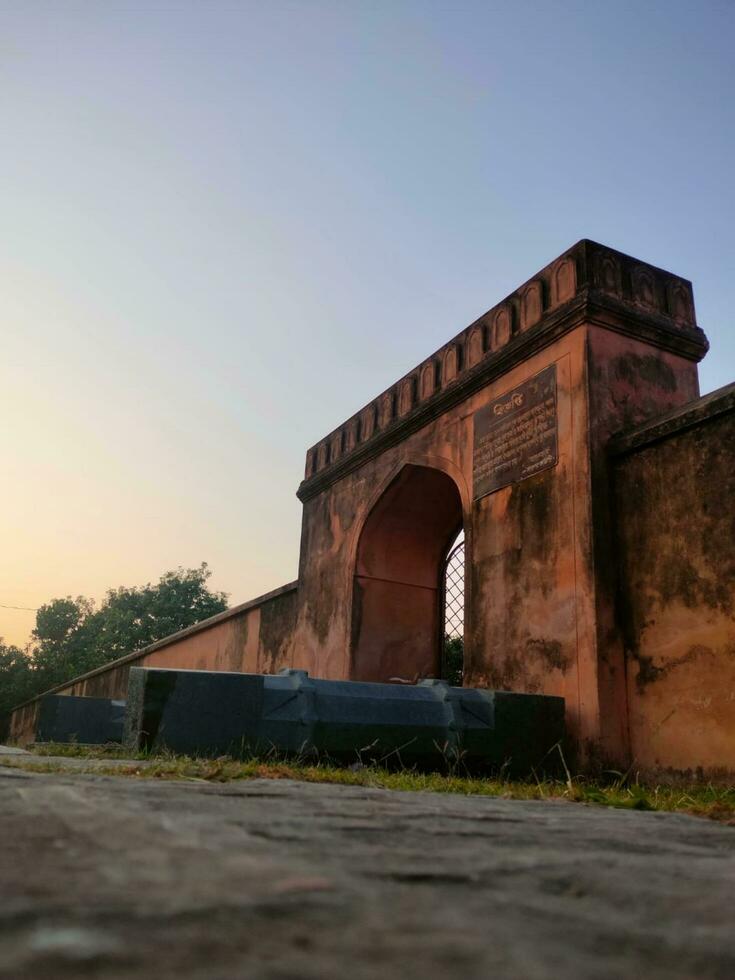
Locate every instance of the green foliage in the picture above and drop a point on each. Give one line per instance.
(453, 660)
(72, 636)
(60, 644)
(16, 678)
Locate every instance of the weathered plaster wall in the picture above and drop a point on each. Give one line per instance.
(529, 570)
(629, 382)
(675, 501)
(255, 637)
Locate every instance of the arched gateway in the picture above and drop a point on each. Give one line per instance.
(562, 431)
(503, 431)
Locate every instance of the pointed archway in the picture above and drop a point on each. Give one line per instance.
(397, 618)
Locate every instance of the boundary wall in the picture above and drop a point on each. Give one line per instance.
(675, 528)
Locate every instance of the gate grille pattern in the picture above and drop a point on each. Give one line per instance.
(454, 592)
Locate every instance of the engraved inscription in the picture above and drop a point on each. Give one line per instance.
(516, 434)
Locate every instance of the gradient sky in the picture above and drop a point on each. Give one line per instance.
(224, 227)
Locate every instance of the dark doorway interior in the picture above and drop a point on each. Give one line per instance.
(397, 620)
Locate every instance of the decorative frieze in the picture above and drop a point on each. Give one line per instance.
(367, 423)
(586, 271)
(680, 302)
(607, 273)
(451, 365)
(475, 346)
(564, 280)
(350, 440)
(502, 327)
(532, 304)
(428, 381)
(385, 408)
(406, 396)
(644, 290)
(335, 446)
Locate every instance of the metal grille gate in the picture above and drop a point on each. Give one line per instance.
(452, 635)
(454, 591)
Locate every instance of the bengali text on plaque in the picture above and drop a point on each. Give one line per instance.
(516, 434)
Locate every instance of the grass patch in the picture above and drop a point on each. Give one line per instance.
(713, 802)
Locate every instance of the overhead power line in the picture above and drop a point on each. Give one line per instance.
(24, 608)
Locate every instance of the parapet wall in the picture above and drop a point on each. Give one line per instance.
(255, 637)
(591, 277)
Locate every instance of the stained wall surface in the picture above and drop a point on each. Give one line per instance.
(675, 503)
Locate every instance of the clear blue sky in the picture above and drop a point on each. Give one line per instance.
(226, 226)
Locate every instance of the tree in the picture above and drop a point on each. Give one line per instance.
(16, 678)
(60, 644)
(72, 636)
(453, 660)
(132, 618)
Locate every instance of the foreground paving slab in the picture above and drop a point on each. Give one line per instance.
(135, 878)
(19, 758)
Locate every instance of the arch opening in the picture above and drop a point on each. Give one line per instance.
(398, 588)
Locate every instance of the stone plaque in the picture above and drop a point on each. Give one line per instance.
(516, 434)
